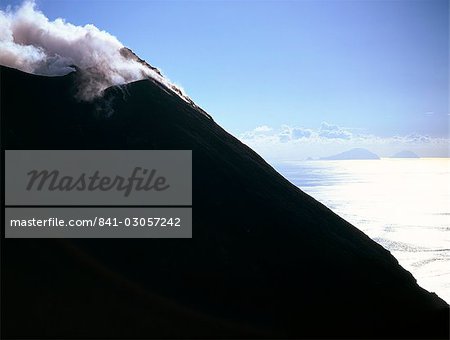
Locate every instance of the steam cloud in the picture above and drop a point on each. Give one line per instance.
(32, 43)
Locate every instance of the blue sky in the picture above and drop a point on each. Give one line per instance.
(370, 67)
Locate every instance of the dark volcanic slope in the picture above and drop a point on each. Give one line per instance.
(265, 260)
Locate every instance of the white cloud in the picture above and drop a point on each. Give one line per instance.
(30, 42)
(262, 128)
(333, 131)
(290, 142)
(289, 133)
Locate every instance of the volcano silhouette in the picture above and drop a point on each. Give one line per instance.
(265, 260)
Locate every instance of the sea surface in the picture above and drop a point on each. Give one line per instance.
(403, 204)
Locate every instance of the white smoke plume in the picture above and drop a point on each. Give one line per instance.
(32, 43)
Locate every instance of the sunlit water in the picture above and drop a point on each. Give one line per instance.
(403, 204)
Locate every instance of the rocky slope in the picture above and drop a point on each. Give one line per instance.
(265, 260)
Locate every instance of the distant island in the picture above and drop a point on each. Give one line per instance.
(405, 154)
(357, 153)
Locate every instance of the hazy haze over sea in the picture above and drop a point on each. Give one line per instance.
(403, 204)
